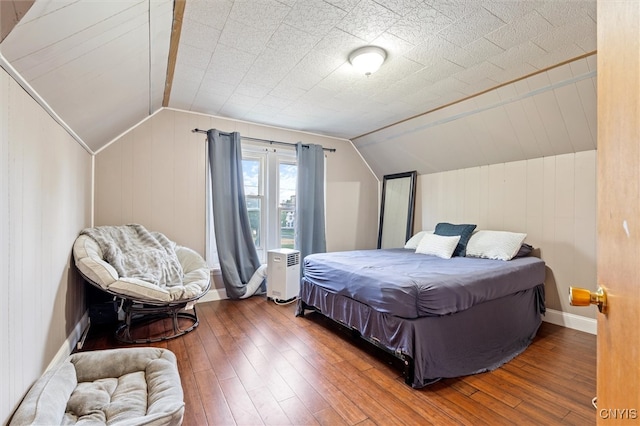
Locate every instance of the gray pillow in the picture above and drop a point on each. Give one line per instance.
(525, 250)
(451, 230)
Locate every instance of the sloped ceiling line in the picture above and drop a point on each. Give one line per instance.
(459, 116)
(285, 63)
(101, 64)
(4, 64)
(289, 66)
(11, 12)
(444, 106)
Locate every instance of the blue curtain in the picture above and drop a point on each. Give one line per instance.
(239, 260)
(310, 233)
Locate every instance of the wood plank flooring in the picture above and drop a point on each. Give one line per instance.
(252, 362)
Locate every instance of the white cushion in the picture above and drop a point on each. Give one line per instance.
(124, 386)
(412, 243)
(438, 245)
(499, 245)
(195, 281)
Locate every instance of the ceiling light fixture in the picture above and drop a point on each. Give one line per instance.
(367, 59)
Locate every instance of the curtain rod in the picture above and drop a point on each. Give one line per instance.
(196, 130)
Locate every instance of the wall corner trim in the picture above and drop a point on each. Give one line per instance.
(575, 322)
(148, 117)
(81, 327)
(4, 64)
(70, 343)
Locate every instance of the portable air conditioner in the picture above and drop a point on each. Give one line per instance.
(283, 274)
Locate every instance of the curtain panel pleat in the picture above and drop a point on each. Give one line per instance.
(236, 250)
(310, 215)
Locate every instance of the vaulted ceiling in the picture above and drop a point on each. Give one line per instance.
(102, 65)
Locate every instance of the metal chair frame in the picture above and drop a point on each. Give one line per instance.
(139, 312)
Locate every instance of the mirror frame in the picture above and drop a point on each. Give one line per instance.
(411, 196)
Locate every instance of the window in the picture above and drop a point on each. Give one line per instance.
(287, 178)
(270, 179)
(253, 176)
(270, 189)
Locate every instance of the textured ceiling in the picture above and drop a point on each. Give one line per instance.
(101, 64)
(284, 63)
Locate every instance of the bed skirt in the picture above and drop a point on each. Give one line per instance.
(475, 340)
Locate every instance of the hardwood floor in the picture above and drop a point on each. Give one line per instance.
(253, 362)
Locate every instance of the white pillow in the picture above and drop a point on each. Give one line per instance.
(438, 245)
(499, 245)
(412, 243)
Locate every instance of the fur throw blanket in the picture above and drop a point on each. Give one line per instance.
(134, 252)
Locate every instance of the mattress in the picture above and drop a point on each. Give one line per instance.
(406, 284)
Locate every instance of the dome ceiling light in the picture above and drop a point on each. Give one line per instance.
(367, 59)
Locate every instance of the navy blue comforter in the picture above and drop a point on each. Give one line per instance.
(403, 283)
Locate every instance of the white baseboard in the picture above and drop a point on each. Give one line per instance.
(70, 343)
(76, 334)
(213, 295)
(575, 322)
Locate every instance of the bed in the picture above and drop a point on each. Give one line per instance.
(441, 317)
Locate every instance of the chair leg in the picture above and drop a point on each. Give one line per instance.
(179, 313)
(127, 321)
(138, 314)
(176, 326)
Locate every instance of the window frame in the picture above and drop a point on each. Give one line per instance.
(261, 157)
(271, 159)
(286, 160)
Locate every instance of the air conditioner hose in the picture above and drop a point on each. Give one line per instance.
(256, 280)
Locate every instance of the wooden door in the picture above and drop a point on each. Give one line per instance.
(618, 371)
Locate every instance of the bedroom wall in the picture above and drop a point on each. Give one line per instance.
(155, 175)
(45, 181)
(549, 113)
(552, 199)
(521, 157)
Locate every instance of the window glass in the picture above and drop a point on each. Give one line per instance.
(253, 176)
(287, 177)
(255, 217)
(270, 178)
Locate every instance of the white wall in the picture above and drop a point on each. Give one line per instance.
(45, 181)
(546, 114)
(155, 175)
(521, 157)
(552, 199)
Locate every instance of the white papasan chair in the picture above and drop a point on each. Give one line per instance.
(143, 299)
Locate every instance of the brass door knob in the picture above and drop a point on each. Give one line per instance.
(584, 297)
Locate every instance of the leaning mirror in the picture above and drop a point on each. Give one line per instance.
(396, 210)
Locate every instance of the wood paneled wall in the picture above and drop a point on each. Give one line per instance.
(45, 181)
(11, 11)
(155, 175)
(546, 114)
(552, 199)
